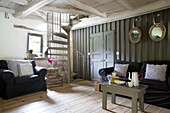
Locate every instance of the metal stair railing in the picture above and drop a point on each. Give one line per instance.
(77, 57)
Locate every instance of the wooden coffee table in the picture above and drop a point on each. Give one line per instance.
(135, 93)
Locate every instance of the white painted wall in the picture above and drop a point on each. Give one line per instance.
(13, 41)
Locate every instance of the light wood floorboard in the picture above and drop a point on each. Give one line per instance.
(78, 97)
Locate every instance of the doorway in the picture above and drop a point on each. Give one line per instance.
(101, 52)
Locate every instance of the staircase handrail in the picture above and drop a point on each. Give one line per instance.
(77, 53)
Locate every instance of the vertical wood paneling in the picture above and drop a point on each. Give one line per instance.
(74, 55)
(123, 44)
(79, 56)
(144, 39)
(133, 48)
(127, 40)
(85, 52)
(77, 50)
(168, 33)
(97, 29)
(164, 41)
(81, 51)
(151, 43)
(88, 51)
(108, 26)
(105, 27)
(138, 45)
(118, 39)
(101, 27)
(156, 45)
(94, 29)
(145, 50)
(114, 41)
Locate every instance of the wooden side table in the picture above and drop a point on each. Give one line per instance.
(53, 79)
(135, 93)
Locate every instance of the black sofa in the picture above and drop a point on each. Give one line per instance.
(11, 86)
(158, 92)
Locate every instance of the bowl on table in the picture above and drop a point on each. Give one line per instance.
(119, 82)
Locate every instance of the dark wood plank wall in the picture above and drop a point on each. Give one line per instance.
(145, 50)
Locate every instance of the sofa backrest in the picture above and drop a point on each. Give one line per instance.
(143, 69)
(133, 66)
(3, 64)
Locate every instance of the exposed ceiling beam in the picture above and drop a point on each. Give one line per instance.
(3, 9)
(62, 10)
(34, 5)
(40, 14)
(20, 2)
(84, 7)
(126, 4)
(149, 8)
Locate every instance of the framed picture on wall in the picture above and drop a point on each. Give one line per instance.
(135, 35)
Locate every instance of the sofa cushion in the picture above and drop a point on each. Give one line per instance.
(156, 72)
(143, 69)
(121, 69)
(3, 64)
(155, 84)
(133, 66)
(12, 65)
(25, 69)
(27, 79)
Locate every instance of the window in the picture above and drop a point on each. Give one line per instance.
(35, 43)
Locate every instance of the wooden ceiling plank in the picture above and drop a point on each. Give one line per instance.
(126, 4)
(152, 7)
(20, 2)
(3, 9)
(84, 7)
(63, 10)
(40, 14)
(31, 7)
(5, 4)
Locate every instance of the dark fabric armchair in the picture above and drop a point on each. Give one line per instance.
(11, 86)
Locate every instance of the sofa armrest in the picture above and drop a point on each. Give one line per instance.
(169, 82)
(103, 73)
(7, 76)
(40, 71)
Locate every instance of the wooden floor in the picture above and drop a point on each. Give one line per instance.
(78, 97)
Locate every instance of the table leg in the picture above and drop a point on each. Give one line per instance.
(134, 105)
(113, 100)
(104, 100)
(141, 103)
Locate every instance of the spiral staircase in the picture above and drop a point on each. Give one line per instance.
(58, 41)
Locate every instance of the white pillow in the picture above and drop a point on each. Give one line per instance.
(121, 69)
(12, 65)
(156, 72)
(25, 69)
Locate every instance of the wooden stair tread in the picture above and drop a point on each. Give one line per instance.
(66, 28)
(54, 85)
(62, 35)
(58, 48)
(54, 79)
(75, 21)
(58, 42)
(64, 65)
(60, 60)
(53, 76)
(58, 54)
